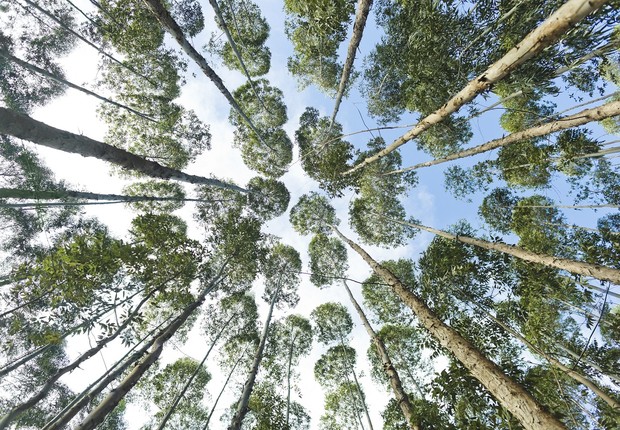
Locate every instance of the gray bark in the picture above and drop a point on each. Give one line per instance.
(545, 35)
(23, 127)
(510, 394)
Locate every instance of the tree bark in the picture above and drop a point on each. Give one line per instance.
(399, 393)
(242, 407)
(34, 69)
(510, 394)
(577, 267)
(23, 127)
(107, 405)
(545, 35)
(595, 114)
(170, 25)
(363, 8)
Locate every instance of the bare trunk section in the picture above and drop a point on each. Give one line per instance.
(107, 405)
(399, 393)
(595, 114)
(363, 8)
(23, 127)
(88, 42)
(573, 266)
(242, 407)
(545, 35)
(510, 394)
(34, 69)
(49, 384)
(170, 25)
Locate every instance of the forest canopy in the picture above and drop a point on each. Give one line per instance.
(309, 214)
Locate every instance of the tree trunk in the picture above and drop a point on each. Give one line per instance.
(545, 35)
(363, 8)
(107, 405)
(288, 379)
(595, 114)
(88, 42)
(178, 398)
(170, 25)
(573, 266)
(399, 393)
(510, 394)
(34, 69)
(577, 357)
(49, 384)
(23, 127)
(242, 407)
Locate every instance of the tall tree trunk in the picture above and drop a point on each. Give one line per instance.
(288, 378)
(107, 405)
(34, 69)
(170, 25)
(577, 267)
(23, 127)
(232, 371)
(363, 8)
(399, 393)
(49, 384)
(545, 35)
(88, 42)
(179, 396)
(608, 110)
(220, 20)
(510, 394)
(242, 407)
(569, 352)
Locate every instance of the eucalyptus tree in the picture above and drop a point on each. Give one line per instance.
(324, 154)
(316, 30)
(246, 32)
(328, 262)
(281, 271)
(22, 126)
(515, 399)
(291, 339)
(270, 410)
(337, 366)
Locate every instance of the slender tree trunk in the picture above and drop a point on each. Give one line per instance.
(510, 394)
(608, 110)
(34, 69)
(233, 45)
(63, 417)
(573, 266)
(363, 8)
(545, 35)
(88, 42)
(170, 25)
(399, 393)
(49, 384)
(242, 407)
(107, 405)
(232, 371)
(288, 378)
(179, 396)
(23, 127)
(570, 372)
(573, 354)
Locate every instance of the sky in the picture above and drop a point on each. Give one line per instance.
(428, 202)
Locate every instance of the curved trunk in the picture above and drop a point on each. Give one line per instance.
(363, 8)
(545, 35)
(34, 69)
(170, 25)
(242, 407)
(107, 405)
(399, 393)
(22, 126)
(578, 267)
(608, 110)
(510, 394)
